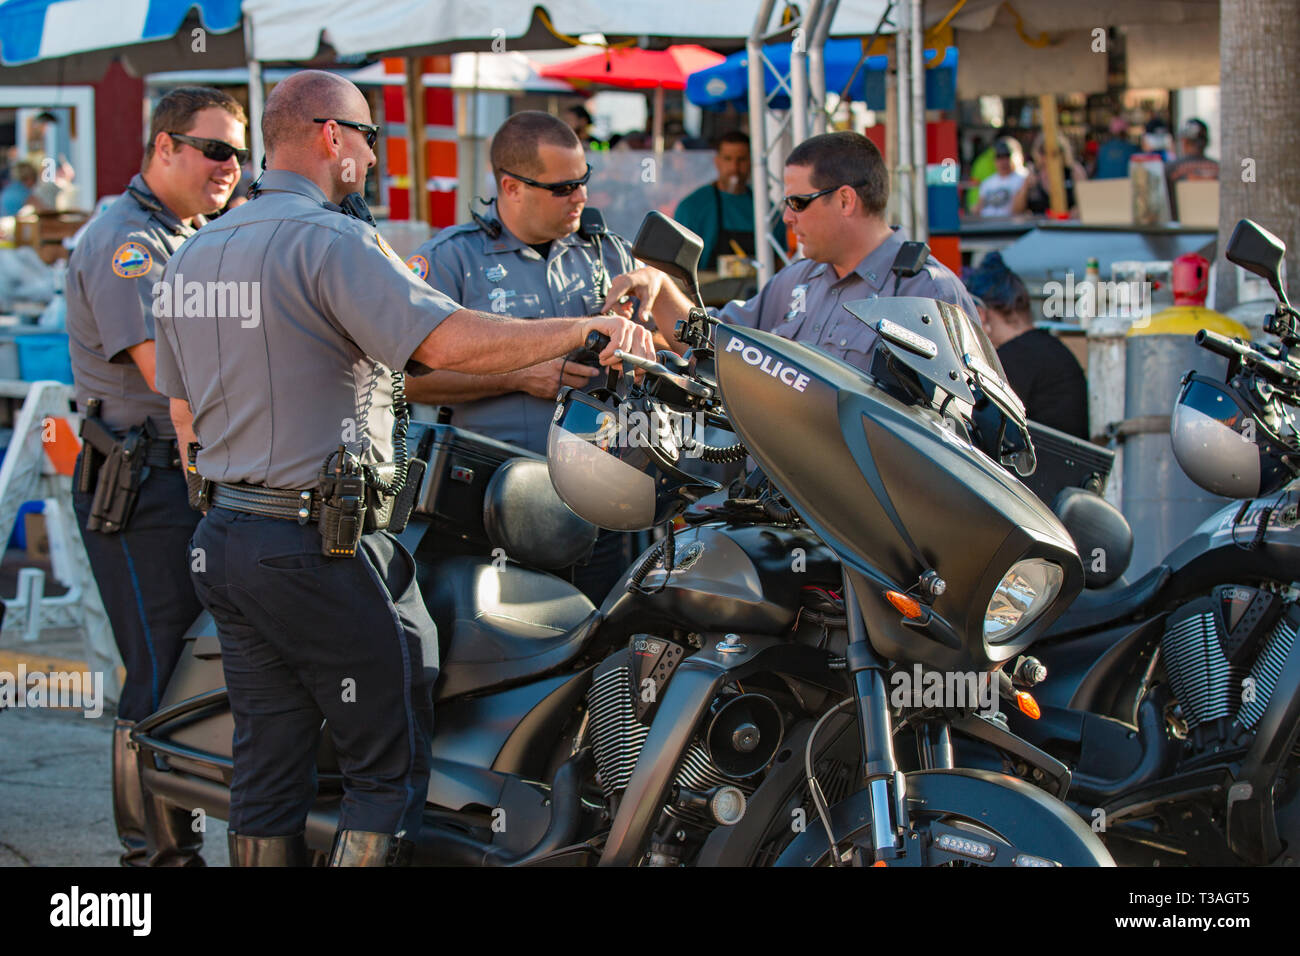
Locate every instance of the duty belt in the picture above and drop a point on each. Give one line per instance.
(163, 454)
(299, 506)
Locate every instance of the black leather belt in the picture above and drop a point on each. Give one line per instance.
(163, 454)
(299, 506)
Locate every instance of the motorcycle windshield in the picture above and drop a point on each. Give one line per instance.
(942, 345)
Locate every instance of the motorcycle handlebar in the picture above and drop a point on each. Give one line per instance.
(1279, 373)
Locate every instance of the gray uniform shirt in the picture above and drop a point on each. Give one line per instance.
(802, 301)
(109, 284)
(283, 322)
(508, 277)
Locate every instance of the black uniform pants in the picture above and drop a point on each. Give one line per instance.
(306, 638)
(144, 582)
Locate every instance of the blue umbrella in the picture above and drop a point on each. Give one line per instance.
(727, 84)
(32, 30)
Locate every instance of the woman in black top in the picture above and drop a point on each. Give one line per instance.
(1040, 369)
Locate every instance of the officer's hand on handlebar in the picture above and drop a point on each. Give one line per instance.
(628, 336)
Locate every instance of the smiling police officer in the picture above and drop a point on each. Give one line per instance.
(293, 406)
(129, 494)
(837, 187)
(536, 260)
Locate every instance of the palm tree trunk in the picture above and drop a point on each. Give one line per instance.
(1259, 156)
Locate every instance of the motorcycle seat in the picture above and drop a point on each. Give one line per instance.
(1092, 609)
(501, 624)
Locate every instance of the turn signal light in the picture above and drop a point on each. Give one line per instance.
(1028, 706)
(906, 606)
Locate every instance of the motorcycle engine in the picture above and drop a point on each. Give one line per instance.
(1223, 654)
(743, 732)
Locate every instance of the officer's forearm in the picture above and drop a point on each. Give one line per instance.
(451, 388)
(670, 307)
(183, 421)
(477, 343)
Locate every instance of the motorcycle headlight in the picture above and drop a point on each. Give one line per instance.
(1023, 593)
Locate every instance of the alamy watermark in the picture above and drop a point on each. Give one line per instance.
(1113, 300)
(950, 690)
(70, 690)
(637, 428)
(208, 300)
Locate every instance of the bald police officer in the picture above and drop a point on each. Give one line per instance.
(196, 140)
(531, 261)
(837, 187)
(270, 391)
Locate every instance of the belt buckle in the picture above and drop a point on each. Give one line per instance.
(304, 507)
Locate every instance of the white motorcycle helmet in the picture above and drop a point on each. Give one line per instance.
(1224, 445)
(617, 467)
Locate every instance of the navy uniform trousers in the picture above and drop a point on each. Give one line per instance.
(306, 638)
(144, 582)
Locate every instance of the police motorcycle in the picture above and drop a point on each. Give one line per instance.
(727, 703)
(1175, 698)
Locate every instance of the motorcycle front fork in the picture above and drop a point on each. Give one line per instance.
(885, 783)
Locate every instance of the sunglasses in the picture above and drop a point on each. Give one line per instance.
(372, 132)
(213, 149)
(567, 188)
(800, 203)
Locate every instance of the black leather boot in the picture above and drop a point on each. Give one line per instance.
(361, 848)
(172, 838)
(267, 851)
(128, 796)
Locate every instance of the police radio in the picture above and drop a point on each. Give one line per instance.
(342, 491)
(489, 224)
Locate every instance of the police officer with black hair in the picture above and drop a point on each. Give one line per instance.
(540, 253)
(129, 492)
(293, 409)
(837, 188)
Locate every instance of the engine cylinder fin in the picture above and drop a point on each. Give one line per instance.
(1206, 685)
(1265, 671)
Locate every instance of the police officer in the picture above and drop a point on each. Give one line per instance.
(196, 140)
(531, 260)
(837, 187)
(270, 393)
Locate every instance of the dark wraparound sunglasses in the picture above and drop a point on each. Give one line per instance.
(567, 188)
(372, 132)
(214, 149)
(799, 203)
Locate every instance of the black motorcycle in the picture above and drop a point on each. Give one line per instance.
(729, 703)
(1175, 699)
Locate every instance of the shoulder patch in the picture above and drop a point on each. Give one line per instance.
(385, 248)
(132, 260)
(419, 265)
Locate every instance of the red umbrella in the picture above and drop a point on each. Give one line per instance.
(636, 69)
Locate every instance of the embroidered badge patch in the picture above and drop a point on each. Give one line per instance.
(419, 265)
(131, 260)
(385, 248)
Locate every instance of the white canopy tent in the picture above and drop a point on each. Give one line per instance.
(295, 29)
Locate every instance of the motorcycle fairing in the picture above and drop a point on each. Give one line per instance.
(868, 475)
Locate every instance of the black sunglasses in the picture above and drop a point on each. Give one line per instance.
(214, 149)
(372, 132)
(800, 203)
(556, 189)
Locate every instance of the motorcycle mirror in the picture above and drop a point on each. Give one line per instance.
(1257, 250)
(672, 248)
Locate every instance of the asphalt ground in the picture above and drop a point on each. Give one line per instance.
(56, 801)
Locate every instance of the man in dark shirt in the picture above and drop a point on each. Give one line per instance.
(1043, 372)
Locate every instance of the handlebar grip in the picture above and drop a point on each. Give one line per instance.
(596, 341)
(1218, 344)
